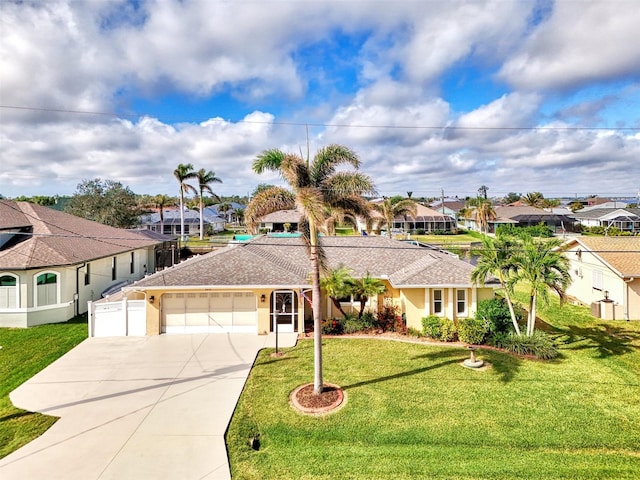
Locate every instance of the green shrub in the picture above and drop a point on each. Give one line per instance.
(414, 332)
(431, 326)
(495, 312)
(439, 328)
(472, 330)
(353, 324)
(539, 344)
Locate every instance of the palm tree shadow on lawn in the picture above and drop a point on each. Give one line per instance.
(606, 340)
(506, 366)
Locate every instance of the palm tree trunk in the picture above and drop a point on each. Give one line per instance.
(181, 216)
(512, 312)
(317, 314)
(532, 315)
(201, 219)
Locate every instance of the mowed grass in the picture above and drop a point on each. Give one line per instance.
(413, 412)
(24, 353)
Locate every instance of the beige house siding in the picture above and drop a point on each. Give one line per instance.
(414, 305)
(593, 279)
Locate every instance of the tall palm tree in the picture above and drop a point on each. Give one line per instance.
(160, 201)
(482, 212)
(315, 184)
(184, 172)
(544, 268)
(336, 283)
(366, 287)
(497, 258)
(204, 179)
(391, 208)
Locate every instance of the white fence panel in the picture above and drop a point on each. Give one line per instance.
(118, 319)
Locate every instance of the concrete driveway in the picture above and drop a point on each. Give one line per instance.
(137, 408)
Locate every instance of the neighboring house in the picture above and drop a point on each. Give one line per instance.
(606, 204)
(228, 211)
(253, 287)
(427, 220)
(625, 219)
(52, 263)
(171, 224)
(605, 273)
(166, 251)
(526, 216)
(450, 207)
(280, 221)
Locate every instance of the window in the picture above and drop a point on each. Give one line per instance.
(87, 274)
(114, 273)
(8, 292)
(46, 289)
(437, 302)
(461, 302)
(132, 263)
(597, 280)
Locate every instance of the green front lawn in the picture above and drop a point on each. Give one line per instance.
(24, 353)
(413, 412)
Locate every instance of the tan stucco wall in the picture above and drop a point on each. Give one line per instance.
(413, 306)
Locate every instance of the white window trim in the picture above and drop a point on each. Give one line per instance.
(35, 288)
(17, 287)
(465, 312)
(434, 301)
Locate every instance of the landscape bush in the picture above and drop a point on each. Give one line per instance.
(439, 328)
(539, 344)
(495, 312)
(390, 320)
(332, 326)
(472, 330)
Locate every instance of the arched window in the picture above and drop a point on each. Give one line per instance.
(9, 292)
(47, 289)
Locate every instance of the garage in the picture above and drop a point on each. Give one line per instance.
(209, 312)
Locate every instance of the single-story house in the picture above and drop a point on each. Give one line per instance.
(52, 263)
(280, 221)
(560, 221)
(426, 219)
(605, 273)
(170, 224)
(229, 211)
(625, 219)
(450, 206)
(264, 284)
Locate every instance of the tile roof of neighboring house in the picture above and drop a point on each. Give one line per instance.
(455, 205)
(57, 238)
(622, 254)
(430, 213)
(161, 237)
(524, 213)
(172, 217)
(282, 216)
(596, 213)
(283, 261)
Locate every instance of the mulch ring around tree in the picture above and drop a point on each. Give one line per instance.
(305, 401)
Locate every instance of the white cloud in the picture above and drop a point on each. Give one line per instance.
(579, 43)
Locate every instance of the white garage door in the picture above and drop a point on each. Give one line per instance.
(209, 312)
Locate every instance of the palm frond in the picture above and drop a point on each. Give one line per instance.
(328, 158)
(268, 160)
(266, 202)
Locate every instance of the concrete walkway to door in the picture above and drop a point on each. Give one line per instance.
(137, 408)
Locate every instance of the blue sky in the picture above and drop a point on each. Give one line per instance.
(516, 95)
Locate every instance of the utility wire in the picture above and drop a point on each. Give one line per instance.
(333, 125)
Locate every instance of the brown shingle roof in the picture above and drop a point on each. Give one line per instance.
(283, 261)
(621, 253)
(58, 238)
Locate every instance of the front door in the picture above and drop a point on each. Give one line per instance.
(284, 311)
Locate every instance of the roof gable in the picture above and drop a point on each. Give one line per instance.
(58, 238)
(621, 254)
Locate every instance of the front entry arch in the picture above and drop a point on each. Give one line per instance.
(284, 311)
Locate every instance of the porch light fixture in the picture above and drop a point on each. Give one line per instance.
(263, 298)
(152, 299)
(606, 294)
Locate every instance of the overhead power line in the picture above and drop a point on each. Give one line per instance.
(338, 125)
